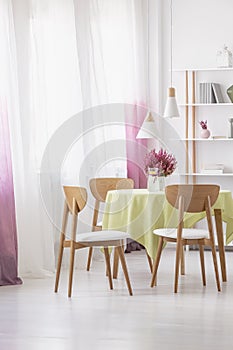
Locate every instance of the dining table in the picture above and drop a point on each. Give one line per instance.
(138, 212)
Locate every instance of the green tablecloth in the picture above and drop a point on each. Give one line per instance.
(139, 212)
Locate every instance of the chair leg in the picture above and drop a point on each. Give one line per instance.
(219, 230)
(108, 267)
(61, 245)
(156, 262)
(115, 264)
(179, 247)
(72, 251)
(182, 265)
(59, 261)
(201, 248)
(216, 267)
(150, 262)
(124, 268)
(89, 258)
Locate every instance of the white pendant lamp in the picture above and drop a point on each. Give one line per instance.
(171, 109)
(148, 128)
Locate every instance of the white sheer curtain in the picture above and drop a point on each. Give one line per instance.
(112, 53)
(49, 94)
(65, 56)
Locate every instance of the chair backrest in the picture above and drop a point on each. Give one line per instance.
(194, 196)
(100, 186)
(76, 198)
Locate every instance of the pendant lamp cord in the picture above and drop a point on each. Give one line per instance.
(148, 61)
(171, 39)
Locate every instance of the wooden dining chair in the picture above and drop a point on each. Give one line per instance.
(189, 199)
(75, 201)
(99, 188)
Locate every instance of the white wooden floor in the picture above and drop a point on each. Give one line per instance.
(32, 317)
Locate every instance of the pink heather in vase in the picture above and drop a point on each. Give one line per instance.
(203, 124)
(162, 161)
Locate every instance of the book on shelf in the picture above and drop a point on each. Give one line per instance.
(206, 93)
(217, 93)
(212, 169)
(210, 93)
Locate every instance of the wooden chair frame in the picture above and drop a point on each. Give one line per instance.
(190, 198)
(99, 188)
(75, 201)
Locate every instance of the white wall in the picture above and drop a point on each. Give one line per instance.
(200, 28)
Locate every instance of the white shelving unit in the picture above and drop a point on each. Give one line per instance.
(199, 150)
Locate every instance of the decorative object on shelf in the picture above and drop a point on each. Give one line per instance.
(224, 58)
(171, 109)
(158, 165)
(230, 93)
(205, 133)
(230, 133)
(218, 137)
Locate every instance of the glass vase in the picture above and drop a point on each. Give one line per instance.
(155, 183)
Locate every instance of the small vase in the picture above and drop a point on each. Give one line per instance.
(155, 183)
(205, 134)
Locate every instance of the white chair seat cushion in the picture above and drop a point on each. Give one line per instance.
(99, 223)
(101, 236)
(187, 233)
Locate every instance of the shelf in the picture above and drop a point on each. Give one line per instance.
(200, 174)
(218, 69)
(209, 139)
(205, 104)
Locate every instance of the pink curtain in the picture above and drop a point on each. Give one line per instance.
(8, 233)
(135, 148)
